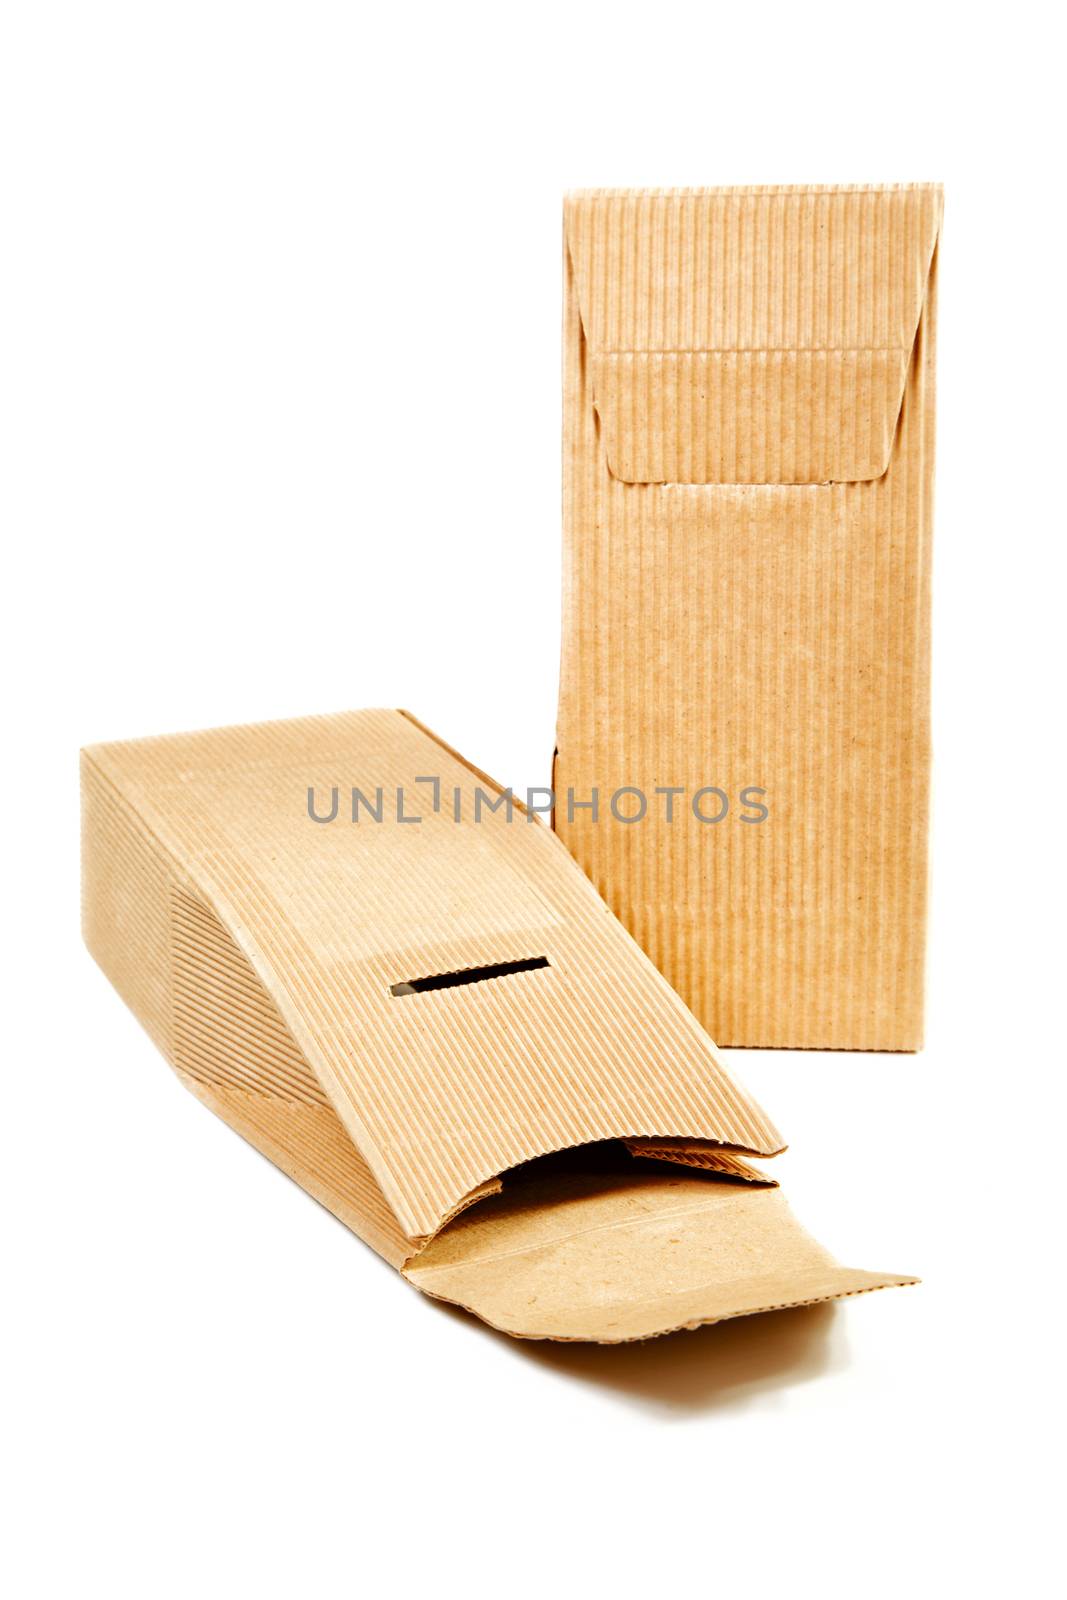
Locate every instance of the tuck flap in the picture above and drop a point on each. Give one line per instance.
(750, 335)
(706, 1158)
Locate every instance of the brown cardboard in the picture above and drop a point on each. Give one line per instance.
(302, 978)
(748, 476)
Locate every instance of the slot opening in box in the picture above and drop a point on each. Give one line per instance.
(455, 980)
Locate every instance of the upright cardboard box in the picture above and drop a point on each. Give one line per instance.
(748, 465)
(401, 989)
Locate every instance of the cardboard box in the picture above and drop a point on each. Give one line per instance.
(748, 473)
(400, 987)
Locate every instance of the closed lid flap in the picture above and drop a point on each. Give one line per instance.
(457, 987)
(756, 335)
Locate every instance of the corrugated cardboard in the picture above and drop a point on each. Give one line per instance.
(321, 985)
(748, 471)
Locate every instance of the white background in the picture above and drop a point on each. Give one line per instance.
(280, 312)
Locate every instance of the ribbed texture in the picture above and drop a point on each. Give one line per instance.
(739, 416)
(773, 635)
(705, 1158)
(439, 1091)
(753, 269)
(178, 970)
(750, 336)
(126, 891)
(310, 1144)
(227, 1030)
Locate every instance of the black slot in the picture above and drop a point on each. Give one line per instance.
(454, 980)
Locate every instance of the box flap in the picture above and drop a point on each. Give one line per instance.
(455, 993)
(611, 1256)
(705, 1157)
(755, 335)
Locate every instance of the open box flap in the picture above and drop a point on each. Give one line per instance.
(301, 953)
(605, 1252)
(750, 335)
(628, 1255)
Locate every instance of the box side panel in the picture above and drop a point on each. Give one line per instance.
(126, 887)
(309, 1143)
(185, 979)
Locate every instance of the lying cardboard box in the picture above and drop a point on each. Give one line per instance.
(748, 464)
(399, 987)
